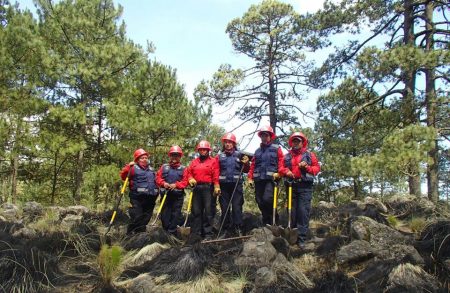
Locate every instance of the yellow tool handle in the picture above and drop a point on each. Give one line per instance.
(189, 203)
(290, 197)
(162, 203)
(113, 217)
(275, 192)
(124, 185)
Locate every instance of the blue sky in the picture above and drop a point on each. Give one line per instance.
(189, 35)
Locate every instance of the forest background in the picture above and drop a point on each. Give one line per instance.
(78, 96)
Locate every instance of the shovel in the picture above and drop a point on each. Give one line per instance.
(183, 231)
(159, 209)
(276, 230)
(290, 234)
(116, 206)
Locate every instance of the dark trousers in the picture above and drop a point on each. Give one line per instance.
(140, 212)
(202, 210)
(301, 209)
(234, 215)
(171, 212)
(264, 198)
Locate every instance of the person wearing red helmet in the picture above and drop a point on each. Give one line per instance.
(264, 171)
(301, 166)
(142, 191)
(231, 164)
(203, 174)
(173, 178)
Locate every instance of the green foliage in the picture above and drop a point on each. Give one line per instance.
(393, 221)
(109, 261)
(400, 149)
(269, 35)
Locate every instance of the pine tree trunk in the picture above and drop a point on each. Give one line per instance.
(78, 177)
(430, 98)
(409, 78)
(14, 173)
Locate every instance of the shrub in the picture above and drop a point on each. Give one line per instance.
(109, 261)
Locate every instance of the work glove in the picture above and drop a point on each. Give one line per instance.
(131, 163)
(192, 182)
(216, 189)
(276, 176)
(251, 183)
(290, 174)
(245, 159)
(172, 186)
(303, 165)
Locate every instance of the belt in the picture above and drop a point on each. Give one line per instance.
(202, 184)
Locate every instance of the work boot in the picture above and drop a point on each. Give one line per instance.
(301, 244)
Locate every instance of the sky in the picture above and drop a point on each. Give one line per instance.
(189, 36)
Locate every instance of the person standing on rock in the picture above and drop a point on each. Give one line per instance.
(264, 172)
(232, 164)
(203, 175)
(301, 166)
(173, 178)
(142, 191)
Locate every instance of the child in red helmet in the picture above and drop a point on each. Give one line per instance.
(203, 174)
(173, 178)
(142, 191)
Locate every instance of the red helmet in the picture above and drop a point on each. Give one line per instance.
(298, 135)
(267, 129)
(175, 150)
(203, 145)
(138, 153)
(229, 136)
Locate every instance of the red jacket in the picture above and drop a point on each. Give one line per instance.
(180, 184)
(206, 171)
(313, 169)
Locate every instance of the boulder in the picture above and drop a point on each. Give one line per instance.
(256, 254)
(377, 203)
(25, 233)
(71, 221)
(411, 278)
(377, 234)
(265, 277)
(32, 210)
(356, 251)
(326, 205)
(401, 253)
(10, 212)
(77, 210)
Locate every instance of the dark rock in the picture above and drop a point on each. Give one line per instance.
(354, 252)
(330, 245)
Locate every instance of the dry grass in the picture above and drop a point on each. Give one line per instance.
(210, 282)
(147, 253)
(49, 223)
(417, 224)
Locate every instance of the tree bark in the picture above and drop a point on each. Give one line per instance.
(14, 173)
(409, 78)
(78, 177)
(430, 101)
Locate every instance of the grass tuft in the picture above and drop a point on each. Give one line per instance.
(109, 260)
